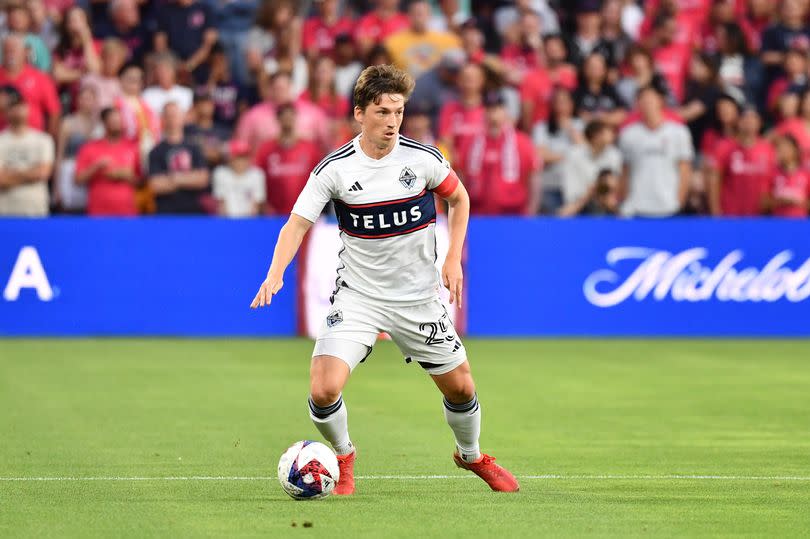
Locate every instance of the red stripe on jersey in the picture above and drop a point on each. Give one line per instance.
(388, 235)
(448, 185)
(385, 202)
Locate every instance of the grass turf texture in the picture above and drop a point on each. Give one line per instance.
(158, 408)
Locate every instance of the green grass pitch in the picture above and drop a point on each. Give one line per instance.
(609, 438)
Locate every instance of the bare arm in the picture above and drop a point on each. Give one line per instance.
(161, 42)
(83, 176)
(193, 179)
(37, 173)
(713, 188)
(693, 109)
(161, 184)
(685, 172)
(201, 54)
(287, 245)
(458, 214)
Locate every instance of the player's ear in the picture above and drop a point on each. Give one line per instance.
(358, 114)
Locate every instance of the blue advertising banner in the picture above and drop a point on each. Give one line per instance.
(674, 277)
(524, 277)
(161, 276)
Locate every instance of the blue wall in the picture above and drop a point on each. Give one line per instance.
(726, 277)
(168, 276)
(196, 277)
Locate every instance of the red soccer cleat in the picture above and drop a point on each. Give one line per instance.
(497, 477)
(345, 484)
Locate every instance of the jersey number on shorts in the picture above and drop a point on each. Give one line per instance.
(433, 329)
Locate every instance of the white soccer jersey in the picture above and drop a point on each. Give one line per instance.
(386, 214)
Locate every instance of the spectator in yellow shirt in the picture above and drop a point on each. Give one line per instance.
(417, 48)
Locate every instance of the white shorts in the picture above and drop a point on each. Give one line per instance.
(423, 333)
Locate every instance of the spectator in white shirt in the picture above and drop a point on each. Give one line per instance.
(166, 89)
(239, 187)
(584, 161)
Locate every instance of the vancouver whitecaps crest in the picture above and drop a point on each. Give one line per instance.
(407, 178)
(684, 276)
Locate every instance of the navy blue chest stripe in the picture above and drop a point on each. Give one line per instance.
(343, 155)
(337, 153)
(410, 143)
(387, 219)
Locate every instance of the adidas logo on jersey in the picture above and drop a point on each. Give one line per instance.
(356, 187)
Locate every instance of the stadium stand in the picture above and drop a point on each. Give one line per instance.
(731, 79)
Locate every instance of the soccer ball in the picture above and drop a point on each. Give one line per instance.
(308, 470)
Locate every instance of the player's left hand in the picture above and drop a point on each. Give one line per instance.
(453, 280)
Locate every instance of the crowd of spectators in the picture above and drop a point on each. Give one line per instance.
(583, 107)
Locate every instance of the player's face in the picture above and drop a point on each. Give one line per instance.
(381, 122)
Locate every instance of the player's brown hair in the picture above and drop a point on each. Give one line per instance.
(375, 81)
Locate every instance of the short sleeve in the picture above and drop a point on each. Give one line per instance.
(316, 194)
(218, 182)
(540, 134)
(772, 40)
(47, 155)
(625, 145)
(197, 158)
(685, 150)
(157, 162)
(83, 158)
(259, 188)
(440, 177)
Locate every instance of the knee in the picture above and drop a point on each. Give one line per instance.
(323, 393)
(461, 392)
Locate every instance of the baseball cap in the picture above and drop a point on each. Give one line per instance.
(453, 59)
(238, 148)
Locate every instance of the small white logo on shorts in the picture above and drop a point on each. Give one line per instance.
(334, 318)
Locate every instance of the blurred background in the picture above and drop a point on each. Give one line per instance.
(630, 113)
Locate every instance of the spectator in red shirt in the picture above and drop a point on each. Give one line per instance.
(499, 166)
(286, 162)
(524, 54)
(75, 54)
(535, 95)
(788, 193)
(36, 87)
(798, 127)
(559, 70)
(319, 32)
(323, 94)
(738, 176)
(373, 28)
(260, 123)
(670, 52)
(110, 165)
(722, 129)
(105, 83)
(463, 118)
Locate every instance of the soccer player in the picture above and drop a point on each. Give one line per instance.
(383, 186)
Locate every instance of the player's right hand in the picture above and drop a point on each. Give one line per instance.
(267, 290)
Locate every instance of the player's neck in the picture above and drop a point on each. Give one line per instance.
(373, 150)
